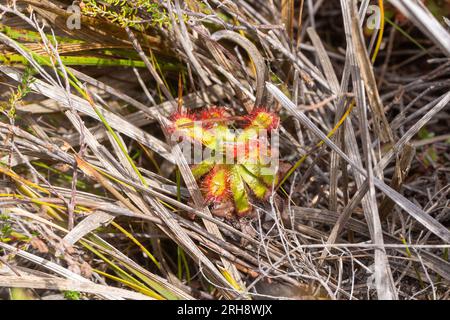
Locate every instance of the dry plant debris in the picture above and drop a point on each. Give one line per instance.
(99, 201)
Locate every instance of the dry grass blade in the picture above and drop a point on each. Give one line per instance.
(92, 222)
(418, 13)
(83, 106)
(52, 283)
(99, 198)
(434, 262)
(383, 129)
(53, 267)
(421, 216)
(362, 71)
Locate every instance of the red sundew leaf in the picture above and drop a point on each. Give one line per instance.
(216, 184)
(261, 118)
(237, 182)
(182, 120)
(208, 116)
(186, 124)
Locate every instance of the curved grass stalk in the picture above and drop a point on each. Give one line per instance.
(381, 31)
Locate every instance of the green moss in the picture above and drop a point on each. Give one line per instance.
(140, 14)
(72, 295)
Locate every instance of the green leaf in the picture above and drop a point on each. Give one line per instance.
(203, 168)
(72, 295)
(240, 196)
(259, 189)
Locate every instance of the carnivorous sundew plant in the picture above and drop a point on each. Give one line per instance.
(233, 164)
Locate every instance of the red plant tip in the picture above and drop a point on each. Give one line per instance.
(216, 185)
(181, 120)
(212, 113)
(261, 118)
